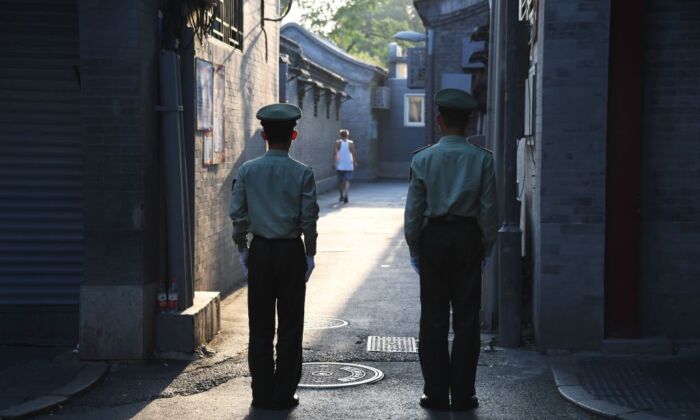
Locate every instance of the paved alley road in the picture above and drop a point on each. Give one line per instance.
(362, 276)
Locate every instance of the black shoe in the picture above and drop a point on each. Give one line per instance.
(341, 199)
(465, 405)
(345, 200)
(432, 404)
(286, 405)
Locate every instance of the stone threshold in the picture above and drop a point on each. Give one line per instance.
(563, 367)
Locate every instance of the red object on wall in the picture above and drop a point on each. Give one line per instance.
(172, 295)
(162, 297)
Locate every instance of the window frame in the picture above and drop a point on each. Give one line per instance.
(406, 108)
(228, 23)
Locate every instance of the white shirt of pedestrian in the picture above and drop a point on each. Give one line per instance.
(345, 159)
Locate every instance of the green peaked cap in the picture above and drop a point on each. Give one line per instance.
(456, 99)
(279, 112)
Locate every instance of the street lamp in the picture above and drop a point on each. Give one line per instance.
(410, 36)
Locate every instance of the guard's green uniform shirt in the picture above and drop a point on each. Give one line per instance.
(274, 196)
(452, 177)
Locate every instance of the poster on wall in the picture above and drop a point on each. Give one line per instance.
(204, 94)
(208, 148)
(218, 114)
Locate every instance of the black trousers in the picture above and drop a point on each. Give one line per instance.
(450, 275)
(275, 279)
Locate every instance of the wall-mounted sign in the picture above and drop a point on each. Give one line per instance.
(204, 94)
(219, 96)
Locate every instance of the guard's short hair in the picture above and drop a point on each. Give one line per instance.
(454, 118)
(278, 132)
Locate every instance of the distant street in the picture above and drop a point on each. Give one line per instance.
(363, 277)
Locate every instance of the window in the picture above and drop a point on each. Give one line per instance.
(414, 110)
(228, 22)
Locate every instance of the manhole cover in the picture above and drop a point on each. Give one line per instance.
(392, 344)
(322, 323)
(337, 375)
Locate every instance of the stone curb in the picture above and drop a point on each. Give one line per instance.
(86, 378)
(564, 371)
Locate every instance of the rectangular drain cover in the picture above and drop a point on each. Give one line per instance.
(392, 344)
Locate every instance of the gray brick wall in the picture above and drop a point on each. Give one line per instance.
(568, 196)
(397, 141)
(118, 72)
(113, 139)
(251, 82)
(448, 35)
(317, 135)
(357, 113)
(670, 286)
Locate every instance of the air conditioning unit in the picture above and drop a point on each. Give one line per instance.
(381, 98)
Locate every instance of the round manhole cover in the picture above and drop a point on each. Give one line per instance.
(337, 375)
(322, 323)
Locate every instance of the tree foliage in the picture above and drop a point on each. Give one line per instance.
(363, 28)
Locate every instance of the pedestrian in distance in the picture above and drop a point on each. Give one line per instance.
(450, 225)
(274, 199)
(345, 163)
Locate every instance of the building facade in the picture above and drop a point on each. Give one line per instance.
(360, 112)
(603, 168)
(403, 124)
(84, 181)
(610, 197)
(450, 26)
(320, 94)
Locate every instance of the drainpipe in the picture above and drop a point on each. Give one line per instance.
(430, 87)
(283, 78)
(173, 153)
(494, 110)
(510, 235)
(187, 83)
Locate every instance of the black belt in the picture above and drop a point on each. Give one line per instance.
(275, 239)
(451, 218)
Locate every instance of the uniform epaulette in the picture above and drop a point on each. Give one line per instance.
(483, 148)
(420, 149)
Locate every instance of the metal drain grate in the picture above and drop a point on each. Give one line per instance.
(337, 375)
(392, 344)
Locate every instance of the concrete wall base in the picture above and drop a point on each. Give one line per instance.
(116, 322)
(184, 332)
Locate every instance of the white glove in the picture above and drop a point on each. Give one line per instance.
(310, 265)
(415, 264)
(243, 258)
(485, 263)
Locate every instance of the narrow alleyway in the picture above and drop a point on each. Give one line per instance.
(362, 277)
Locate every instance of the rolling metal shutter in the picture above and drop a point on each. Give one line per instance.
(41, 221)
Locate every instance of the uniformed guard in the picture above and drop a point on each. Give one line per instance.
(450, 225)
(274, 199)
